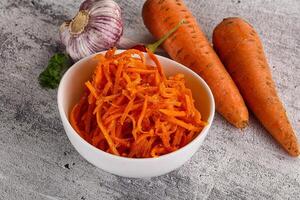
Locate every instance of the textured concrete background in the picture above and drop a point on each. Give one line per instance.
(37, 160)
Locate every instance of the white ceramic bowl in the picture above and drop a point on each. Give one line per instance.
(70, 90)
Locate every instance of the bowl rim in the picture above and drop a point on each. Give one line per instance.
(65, 118)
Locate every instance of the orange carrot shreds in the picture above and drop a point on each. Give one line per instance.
(172, 113)
(109, 98)
(106, 134)
(106, 88)
(91, 88)
(178, 137)
(127, 110)
(158, 150)
(188, 105)
(182, 124)
(137, 63)
(126, 78)
(97, 137)
(73, 119)
(112, 117)
(165, 136)
(106, 70)
(148, 147)
(129, 54)
(113, 68)
(98, 75)
(141, 71)
(132, 109)
(147, 89)
(133, 126)
(144, 136)
(88, 118)
(117, 78)
(91, 99)
(110, 53)
(157, 63)
(122, 141)
(142, 114)
(190, 136)
(112, 127)
(112, 110)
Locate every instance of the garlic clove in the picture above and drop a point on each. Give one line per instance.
(97, 26)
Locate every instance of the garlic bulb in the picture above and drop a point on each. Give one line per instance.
(97, 26)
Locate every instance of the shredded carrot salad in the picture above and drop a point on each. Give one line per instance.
(131, 109)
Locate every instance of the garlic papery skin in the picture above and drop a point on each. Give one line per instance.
(97, 26)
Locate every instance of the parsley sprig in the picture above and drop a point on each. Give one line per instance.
(57, 66)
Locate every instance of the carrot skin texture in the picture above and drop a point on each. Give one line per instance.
(189, 46)
(241, 51)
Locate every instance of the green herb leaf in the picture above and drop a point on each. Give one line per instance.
(57, 66)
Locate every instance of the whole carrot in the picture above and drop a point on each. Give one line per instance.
(241, 51)
(189, 46)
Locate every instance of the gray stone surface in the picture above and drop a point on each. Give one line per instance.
(37, 160)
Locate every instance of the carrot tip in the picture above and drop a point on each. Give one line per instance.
(242, 124)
